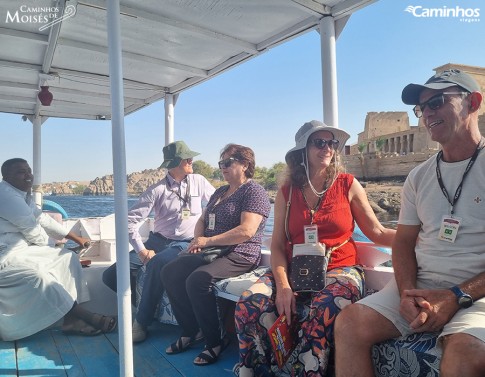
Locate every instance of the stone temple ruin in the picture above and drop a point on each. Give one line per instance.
(389, 147)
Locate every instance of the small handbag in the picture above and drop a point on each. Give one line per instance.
(309, 262)
(308, 267)
(209, 254)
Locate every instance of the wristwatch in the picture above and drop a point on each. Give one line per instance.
(463, 299)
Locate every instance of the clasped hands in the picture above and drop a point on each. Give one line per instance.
(145, 255)
(197, 244)
(427, 310)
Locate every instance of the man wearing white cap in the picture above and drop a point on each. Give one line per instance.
(439, 250)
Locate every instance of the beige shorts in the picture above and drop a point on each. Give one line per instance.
(386, 302)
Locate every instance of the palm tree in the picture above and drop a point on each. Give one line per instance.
(379, 145)
(361, 148)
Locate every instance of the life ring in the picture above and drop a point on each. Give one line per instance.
(49, 205)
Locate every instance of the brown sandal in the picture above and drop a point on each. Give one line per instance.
(80, 327)
(104, 323)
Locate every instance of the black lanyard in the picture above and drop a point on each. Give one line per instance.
(185, 201)
(314, 209)
(460, 186)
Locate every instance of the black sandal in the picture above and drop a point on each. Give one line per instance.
(211, 357)
(179, 346)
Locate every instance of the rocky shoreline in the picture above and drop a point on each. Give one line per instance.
(384, 196)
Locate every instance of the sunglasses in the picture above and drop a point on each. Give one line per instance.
(434, 103)
(227, 162)
(322, 143)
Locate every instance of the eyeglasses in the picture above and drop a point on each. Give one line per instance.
(434, 103)
(321, 143)
(189, 160)
(227, 162)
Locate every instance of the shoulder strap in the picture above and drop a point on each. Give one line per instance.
(331, 249)
(288, 204)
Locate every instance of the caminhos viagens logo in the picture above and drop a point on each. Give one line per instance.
(457, 13)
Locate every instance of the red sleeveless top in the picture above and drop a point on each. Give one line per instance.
(333, 218)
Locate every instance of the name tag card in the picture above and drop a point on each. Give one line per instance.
(449, 228)
(212, 221)
(185, 214)
(311, 233)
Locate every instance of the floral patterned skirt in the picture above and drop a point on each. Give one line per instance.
(316, 313)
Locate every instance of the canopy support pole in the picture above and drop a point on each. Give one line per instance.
(329, 71)
(37, 159)
(121, 198)
(170, 101)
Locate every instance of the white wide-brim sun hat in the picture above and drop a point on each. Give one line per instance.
(309, 128)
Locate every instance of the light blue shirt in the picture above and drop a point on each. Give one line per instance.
(167, 198)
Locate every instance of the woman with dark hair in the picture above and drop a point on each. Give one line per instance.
(323, 204)
(235, 217)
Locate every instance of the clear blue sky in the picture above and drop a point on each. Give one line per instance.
(263, 102)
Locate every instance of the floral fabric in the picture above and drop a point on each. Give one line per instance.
(316, 313)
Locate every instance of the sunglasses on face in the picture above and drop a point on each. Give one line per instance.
(321, 143)
(434, 103)
(226, 162)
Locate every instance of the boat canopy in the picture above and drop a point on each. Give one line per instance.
(167, 47)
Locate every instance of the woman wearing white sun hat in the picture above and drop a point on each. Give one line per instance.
(323, 196)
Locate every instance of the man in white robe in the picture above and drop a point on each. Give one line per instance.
(39, 284)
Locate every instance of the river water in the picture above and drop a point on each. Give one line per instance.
(78, 206)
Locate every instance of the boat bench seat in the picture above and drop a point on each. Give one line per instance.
(230, 289)
(415, 355)
(164, 313)
(411, 356)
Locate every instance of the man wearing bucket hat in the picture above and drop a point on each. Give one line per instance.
(438, 253)
(176, 201)
(317, 204)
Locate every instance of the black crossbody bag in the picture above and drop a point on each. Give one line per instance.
(309, 262)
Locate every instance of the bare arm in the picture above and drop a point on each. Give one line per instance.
(81, 241)
(285, 298)
(365, 217)
(200, 226)
(438, 306)
(406, 268)
(404, 256)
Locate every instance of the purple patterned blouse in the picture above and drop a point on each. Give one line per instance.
(249, 197)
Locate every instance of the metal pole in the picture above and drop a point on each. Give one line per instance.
(121, 198)
(169, 118)
(37, 160)
(329, 71)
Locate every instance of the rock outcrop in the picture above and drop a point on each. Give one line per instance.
(384, 197)
(136, 182)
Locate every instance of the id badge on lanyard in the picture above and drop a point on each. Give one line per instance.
(212, 221)
(311, 233)
(185, 213)
(449, 228)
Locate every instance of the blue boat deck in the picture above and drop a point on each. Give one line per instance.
(51, 353)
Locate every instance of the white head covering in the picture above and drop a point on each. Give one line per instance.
(309, 128)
